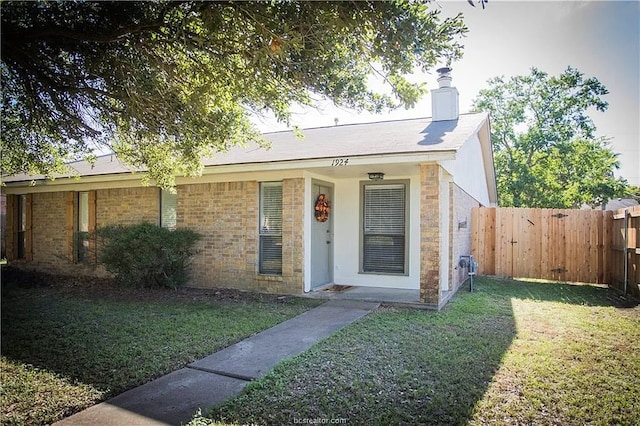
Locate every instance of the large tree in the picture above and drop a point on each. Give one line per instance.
(164, 83)
(545, 147)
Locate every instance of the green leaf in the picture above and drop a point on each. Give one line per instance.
(545, 151)
(164, 83)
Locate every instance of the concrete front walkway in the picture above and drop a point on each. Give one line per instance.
(174, 398)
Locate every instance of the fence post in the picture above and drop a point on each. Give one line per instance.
(626, 249)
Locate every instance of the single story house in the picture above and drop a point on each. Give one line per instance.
(385, 204)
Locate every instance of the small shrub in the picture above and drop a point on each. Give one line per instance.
(146, 255)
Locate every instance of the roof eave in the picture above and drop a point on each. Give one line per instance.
(133, 178)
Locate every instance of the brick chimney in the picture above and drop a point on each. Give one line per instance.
(444, 99)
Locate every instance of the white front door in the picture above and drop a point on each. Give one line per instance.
(321, 237)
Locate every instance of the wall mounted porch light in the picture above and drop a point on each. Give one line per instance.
(376, 175)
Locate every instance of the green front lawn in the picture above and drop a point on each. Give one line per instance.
(510, 353)
(68, 344)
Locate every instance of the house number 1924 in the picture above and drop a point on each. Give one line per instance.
(337, 162)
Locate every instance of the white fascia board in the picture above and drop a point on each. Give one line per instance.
(364, 160)
(76, 183)
(484, 135)
(226, 173)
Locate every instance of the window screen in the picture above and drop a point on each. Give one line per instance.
(83, 227)
(168, 209)
(22, 226)
(384, 220)
(83, 212)
(270, 261)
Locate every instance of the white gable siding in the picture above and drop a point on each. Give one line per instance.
(468, 170)
(445, 206)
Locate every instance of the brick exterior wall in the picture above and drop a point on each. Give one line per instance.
(293, 233)
(460, 233)
(429, 233)
(53, 224)
(223, 214)
(226, 214)
(49, 229)
(125, 206)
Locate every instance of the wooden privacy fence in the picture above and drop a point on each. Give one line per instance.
(625, 250)
(558, 244)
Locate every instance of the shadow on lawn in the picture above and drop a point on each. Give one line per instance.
(396, 366)
(108, 340)
(404, 366)
(76, 338)
(112, 338)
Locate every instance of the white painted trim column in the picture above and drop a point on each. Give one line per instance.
(445, 206)
(307, 232)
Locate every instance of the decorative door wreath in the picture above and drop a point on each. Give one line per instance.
(322, 208)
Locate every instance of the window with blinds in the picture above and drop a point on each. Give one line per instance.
(22, 226)
(384, 228)
(83, 227)
(270, 255)
(168, 209)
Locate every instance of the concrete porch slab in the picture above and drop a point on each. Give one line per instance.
(373, 294)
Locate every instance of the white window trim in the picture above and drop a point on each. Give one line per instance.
(82, 227)
(363, 185)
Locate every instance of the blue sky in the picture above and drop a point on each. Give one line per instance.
(599, 38)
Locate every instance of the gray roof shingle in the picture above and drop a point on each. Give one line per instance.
(419, 135)
(387, 137)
